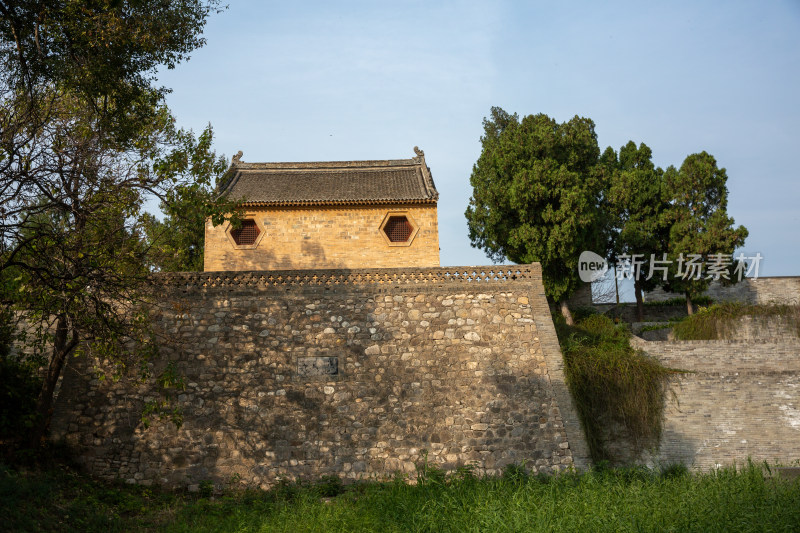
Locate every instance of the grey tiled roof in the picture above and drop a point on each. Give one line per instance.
(332, 182)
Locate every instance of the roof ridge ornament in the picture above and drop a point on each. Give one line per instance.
(237, 158)
(426, 174)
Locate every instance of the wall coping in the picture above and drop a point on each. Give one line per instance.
(367, 277)
(644, 343)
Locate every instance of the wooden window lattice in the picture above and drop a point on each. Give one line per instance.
(398, 229)
(247, 234)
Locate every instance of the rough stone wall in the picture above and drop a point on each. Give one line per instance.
(324, 237)
(348, 373)
(741, 399)
(764, 290)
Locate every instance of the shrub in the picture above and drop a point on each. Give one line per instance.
(707, 323)
(206, 488)
(330, 486)
(583, 312)
(19, 387)
(675, 471)
(612, 383)
(605, 329)
(19, 384)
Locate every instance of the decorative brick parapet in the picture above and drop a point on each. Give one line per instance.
(362, 277)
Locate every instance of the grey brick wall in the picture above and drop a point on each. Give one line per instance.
(739, 400)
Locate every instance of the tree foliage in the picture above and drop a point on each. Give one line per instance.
(104, 51)
(84, 140)
(699, 223)
(635, 208)
(177, 242)
(535, 191)
(543, 192)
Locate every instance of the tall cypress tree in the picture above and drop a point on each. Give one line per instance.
(699, 225)
(535, 198)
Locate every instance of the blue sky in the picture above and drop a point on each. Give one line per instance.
(319, 81)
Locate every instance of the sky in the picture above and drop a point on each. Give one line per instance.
(330, 81)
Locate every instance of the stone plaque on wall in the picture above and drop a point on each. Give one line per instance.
(317, 366)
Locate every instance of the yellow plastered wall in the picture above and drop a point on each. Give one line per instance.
(320, 237)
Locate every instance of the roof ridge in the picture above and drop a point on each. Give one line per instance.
(324, 165)
(321, 170)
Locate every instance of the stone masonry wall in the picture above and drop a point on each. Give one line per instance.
(324, 237)
(349, 373)
(740, 400)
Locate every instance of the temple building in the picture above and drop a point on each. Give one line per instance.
(340, 214)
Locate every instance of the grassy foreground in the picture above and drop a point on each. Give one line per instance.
(603, 500)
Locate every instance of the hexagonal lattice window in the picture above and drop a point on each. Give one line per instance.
(398, 229)
(247, 234)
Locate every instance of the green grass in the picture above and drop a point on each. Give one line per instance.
(708, 322)
(602, 500)
(655, 327)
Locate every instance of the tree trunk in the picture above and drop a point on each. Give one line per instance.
(566, 313)
(637, 290)
(44, 403)
(689, 305)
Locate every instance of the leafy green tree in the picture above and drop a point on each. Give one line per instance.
(636, 210)
(177, 242)
(84, 140)
(700, 229)
(71, 237)
(536, 188)
(104, 51)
